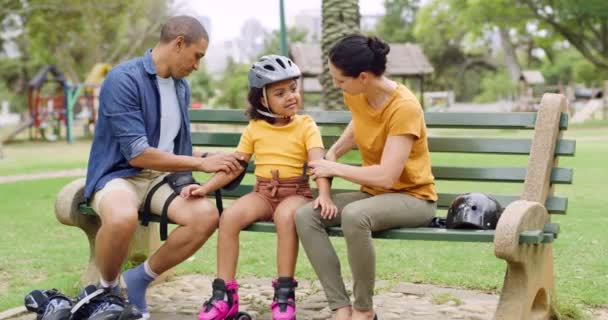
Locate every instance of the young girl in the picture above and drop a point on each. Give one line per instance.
(282, 142)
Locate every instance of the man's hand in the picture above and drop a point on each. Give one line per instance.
(227, 163)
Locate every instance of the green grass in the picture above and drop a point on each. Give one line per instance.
(38, 252)
(34, 157)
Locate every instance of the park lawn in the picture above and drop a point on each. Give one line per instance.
(36, 157)
(38, 252)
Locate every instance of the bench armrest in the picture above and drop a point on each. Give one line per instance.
(67, 207)
(518, 217)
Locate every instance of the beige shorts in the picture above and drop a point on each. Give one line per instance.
(137, 187)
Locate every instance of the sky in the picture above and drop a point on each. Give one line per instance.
(227, 16)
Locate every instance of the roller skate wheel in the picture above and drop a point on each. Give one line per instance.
(243, 316)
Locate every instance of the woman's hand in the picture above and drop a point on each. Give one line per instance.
(323, 168)
(330, 156)
(328, 208)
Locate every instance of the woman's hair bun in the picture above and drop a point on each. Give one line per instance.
(379, 47)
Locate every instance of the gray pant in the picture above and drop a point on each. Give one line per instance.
(359, 214)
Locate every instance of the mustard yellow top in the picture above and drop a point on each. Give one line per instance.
(401, 115)
(280, 147)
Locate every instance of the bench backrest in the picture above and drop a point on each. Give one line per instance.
(222, 128)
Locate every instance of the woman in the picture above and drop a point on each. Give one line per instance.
(397, 186)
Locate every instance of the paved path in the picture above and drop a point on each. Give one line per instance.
(43, 175)
(181, 298)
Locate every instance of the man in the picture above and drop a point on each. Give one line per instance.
(142, 134)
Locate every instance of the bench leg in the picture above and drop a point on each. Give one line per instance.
(527, 291)
(145, 241)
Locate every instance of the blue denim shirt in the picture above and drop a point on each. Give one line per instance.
(129, 121)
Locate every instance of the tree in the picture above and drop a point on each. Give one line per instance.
(340, 18)
(584, 24)
(397, 25)
(234, 86)
(202, 86)
(293, 35)
(76, 34)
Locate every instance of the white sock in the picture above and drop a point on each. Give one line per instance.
(149, 271)
(108, 284)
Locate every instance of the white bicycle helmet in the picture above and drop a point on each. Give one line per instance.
(270, 69)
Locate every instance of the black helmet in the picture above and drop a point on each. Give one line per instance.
(473, 211)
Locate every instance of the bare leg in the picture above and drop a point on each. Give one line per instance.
(242, 213)
(118, 213)
(344, 313)
(287, 237)
(197, 219)
(363, 314)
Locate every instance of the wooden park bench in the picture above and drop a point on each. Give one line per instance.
(523, 237)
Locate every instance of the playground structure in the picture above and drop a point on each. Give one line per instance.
(45, 109)
(529, 89)
(52, 101)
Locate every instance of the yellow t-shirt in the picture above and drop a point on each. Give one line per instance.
(280, 147)
(402, 114)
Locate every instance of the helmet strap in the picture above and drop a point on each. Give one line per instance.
(270, 113)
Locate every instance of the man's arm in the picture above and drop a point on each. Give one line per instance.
(221, 179)
(122, 109)
(152, 158)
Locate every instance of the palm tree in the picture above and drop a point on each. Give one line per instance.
(340, 18)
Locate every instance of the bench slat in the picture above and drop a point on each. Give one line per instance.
(485, 120)
(486, 174)
(496, 174)
(436, 144)
(429, 234)
(563, 147)
(555, 205)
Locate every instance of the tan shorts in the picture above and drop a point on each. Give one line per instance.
(137, 187)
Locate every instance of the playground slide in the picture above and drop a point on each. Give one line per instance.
(587, 112)
(22, 126)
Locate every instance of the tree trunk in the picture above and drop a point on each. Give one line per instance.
(340, 18)
(510, 55)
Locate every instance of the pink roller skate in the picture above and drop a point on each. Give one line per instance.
(224, 303)
(284, 302)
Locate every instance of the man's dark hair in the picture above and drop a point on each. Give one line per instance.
(186, 26)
